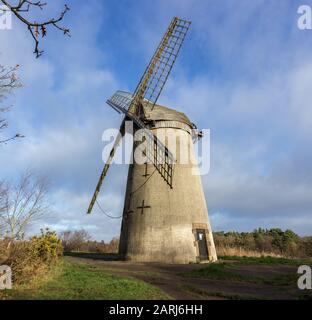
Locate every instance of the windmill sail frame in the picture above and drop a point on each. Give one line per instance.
(160, 66)
(156, 152)
(149, 89)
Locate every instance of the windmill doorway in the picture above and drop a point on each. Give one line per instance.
(202, 244)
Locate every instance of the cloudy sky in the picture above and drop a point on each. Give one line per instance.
(245, 72)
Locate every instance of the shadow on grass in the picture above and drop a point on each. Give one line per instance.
(93, 255)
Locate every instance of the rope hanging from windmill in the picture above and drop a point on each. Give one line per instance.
(105, 213)
(119, 217)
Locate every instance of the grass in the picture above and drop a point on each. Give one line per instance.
(241, 252)
(267, 260)
(219, 271)
(93, 255)
(222, 271)
(218, 294)
(76, 279)
(72, 280)
(305, 296)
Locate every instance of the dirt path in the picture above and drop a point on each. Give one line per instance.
(169, 279)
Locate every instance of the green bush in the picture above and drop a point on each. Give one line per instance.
(47, 247)
(272, 241)
(28, 258)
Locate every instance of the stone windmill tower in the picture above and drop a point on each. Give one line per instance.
(165, 217)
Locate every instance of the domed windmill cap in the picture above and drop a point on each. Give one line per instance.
(162, 113)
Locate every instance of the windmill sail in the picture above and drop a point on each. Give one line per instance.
(120, 101)
(159, 68)
(149, 89)
(106, 167)
(156, 152)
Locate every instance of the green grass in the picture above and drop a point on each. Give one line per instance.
(267, 260)
(218, 271)
(305, 296)
(93, 255)
(218, 294)
(222, 271)
(72, 280)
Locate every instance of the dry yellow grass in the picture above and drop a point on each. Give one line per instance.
(241, 252)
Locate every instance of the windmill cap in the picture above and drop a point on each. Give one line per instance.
(162, 113)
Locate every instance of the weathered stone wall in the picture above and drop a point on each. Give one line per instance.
(163, 231)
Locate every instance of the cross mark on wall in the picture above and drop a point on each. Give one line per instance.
(143, 206)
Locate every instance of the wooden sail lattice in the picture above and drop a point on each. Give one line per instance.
(148, 90)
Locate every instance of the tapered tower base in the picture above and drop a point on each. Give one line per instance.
(163, 224)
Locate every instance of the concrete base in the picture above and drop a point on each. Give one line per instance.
(160, 224)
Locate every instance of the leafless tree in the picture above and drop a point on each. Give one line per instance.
(3, 196)
(73, 240)
(21, 8)
(25, 203)
(3, 204)
(8, 81)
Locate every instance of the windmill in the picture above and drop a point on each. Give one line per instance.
(165, 216)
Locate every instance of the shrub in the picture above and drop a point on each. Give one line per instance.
(47, 247)
(3, 251)
(95, 246)
(28, 258)
(264, 242)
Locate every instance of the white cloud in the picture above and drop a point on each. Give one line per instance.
(252, 90)
(300, 84)
(259, 157)
(70, 209)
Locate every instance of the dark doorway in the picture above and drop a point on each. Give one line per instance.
(202, 244)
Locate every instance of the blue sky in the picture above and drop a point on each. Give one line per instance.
(245, 72)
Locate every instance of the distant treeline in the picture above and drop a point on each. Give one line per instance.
(264, 241)
(80, 240)
(275, 242)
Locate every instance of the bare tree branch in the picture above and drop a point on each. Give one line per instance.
(3, 204)
(8, 81)
(36, 29)
(23, 204)
(73, 240)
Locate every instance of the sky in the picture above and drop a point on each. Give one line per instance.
(244, 72)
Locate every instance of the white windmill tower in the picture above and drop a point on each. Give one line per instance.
(165, 217)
